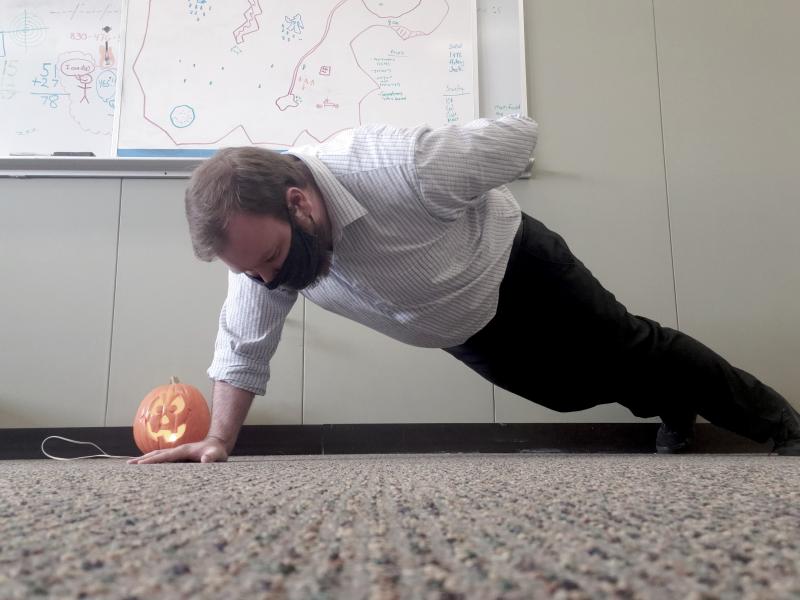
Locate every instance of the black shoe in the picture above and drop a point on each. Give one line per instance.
(674, 437)
(787, 440)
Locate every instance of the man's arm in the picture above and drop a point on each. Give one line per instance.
(250, 326)
(229, 407)
(456, 165)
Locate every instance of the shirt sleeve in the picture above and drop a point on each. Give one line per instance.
(456, 165)
(250, 327)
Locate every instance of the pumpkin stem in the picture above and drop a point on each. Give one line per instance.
(173, 380)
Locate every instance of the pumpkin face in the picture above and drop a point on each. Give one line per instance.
(171, 415)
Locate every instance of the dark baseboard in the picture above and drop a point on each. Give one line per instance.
(638, 438)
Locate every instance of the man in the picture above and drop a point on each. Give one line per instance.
(412, 233)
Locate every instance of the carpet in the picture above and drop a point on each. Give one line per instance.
(404, 526)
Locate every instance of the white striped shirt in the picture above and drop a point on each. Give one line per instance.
(422, 228)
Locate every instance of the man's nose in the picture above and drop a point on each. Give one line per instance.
(264, 275)
(267, 274)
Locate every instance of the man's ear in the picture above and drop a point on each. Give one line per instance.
(296, 201)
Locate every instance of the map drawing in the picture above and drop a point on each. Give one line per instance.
(204, 74)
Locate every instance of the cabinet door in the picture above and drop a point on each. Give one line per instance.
(57, 255)
(167, 310)
(730, 88)
(599, 175)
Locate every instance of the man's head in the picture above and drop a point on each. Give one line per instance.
(261, 213)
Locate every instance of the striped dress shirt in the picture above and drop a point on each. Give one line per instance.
(422, 226)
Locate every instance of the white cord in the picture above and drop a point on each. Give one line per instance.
(58, 437)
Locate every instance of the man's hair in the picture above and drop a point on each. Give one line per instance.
(244, 179)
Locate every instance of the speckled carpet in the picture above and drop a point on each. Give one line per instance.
(404, 526)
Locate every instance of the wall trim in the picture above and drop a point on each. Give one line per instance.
(637, 438)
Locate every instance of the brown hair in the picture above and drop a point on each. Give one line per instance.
(244, 179)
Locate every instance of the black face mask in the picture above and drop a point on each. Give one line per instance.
(303, 262)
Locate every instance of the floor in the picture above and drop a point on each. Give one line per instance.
(404, 526)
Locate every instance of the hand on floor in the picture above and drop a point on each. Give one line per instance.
(209, 450)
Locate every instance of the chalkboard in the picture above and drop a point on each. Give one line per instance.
(202, 74)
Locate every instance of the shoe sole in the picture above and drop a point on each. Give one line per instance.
(682, 449)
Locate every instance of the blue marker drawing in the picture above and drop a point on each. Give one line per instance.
(182, 116)
(27, 30)
(199, 7)
(292, 27)
(49, 100)
(106, 86)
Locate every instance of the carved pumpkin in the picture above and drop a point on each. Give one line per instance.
(171, 415)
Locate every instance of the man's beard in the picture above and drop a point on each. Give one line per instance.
(308, 260)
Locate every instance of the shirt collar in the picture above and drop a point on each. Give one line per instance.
(342, 206)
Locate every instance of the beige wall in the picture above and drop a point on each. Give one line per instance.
(667, 159)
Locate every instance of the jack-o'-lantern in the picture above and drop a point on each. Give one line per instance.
(171, 415)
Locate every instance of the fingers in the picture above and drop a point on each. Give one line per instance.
(202, 452)
(160, 456)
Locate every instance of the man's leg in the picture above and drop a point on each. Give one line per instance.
(561, 340)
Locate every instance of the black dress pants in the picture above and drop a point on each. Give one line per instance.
(561, 340)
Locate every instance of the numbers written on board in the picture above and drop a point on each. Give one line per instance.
(492, 9)
(8, 70)
(48, 76)
(49, 100)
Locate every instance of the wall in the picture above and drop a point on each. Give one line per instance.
(669, 133)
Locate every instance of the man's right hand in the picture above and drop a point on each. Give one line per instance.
(228, 411)
(209, 450)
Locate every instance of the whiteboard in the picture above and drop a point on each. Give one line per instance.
(60, 61)
(58, 75)
(291, 75)
(501, 43)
